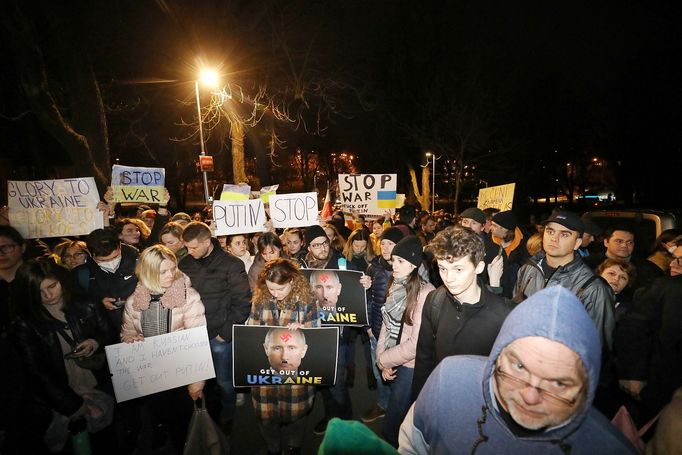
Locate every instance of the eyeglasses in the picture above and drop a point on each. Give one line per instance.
(7, 249)
(317, 246)
(518, 382)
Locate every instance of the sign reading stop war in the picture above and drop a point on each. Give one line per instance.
(369, 194)
(137, 184)
(54, 208)
(159, 363)
(500, 197)
(293, 210)
(238, 217)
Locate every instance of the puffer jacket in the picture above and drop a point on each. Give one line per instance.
(380, 271)
(405, 351)
(181, 298)
(596, 295)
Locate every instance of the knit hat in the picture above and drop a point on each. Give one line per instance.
(506, 219)
(410, 248)
(568, 220)
(393, 234)
(313, 232)
(475, 214)
(349, 436)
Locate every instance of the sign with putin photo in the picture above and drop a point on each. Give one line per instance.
(341, 298)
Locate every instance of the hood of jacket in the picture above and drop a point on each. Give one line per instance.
(554, 313)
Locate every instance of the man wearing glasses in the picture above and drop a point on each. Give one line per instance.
(532, 395)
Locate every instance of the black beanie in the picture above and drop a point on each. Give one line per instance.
(506, 219)
(313, 232)
(409, 248)
(393, 234)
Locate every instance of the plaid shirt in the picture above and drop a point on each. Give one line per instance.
(283, 403)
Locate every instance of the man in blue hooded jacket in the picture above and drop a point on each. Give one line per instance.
(532, 395)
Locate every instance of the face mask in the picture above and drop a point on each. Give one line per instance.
(110, 266)
(671, 249)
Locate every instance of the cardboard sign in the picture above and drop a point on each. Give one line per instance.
(500, 197)
(340, 296)
(54, 208)
(238, 217)
(293, 210)
(265, 355)
(368, 194)
(159, 363)
(138, 184)
(266, 192)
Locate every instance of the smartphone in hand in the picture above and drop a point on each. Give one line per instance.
(72, 354)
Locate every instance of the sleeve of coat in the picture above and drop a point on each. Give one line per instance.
(193, 315)
(410, 439)
(425, 356)
(406, 350)
(130, 325)
(599, 303)
(239, 305)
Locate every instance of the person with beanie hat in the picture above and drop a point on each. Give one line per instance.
(473, 214)
(397, 344)
(393, 234)
(506, 234)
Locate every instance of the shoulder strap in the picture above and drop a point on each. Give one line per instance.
(581, 290)
(436, 306)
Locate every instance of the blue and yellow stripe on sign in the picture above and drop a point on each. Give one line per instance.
(386, 199)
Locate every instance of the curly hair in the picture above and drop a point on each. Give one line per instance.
(282, 271)
(456, 242)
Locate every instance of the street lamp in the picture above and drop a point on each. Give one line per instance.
(209, 78)
(433, 178)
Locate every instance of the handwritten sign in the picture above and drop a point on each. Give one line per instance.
(238, 217)
(293, 210)
(159, 363)
(369, 194)
(137, 184)
(54, 208)
(500, 197)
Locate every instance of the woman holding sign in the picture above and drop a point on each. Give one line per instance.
(163, 302)
(283, 298)
(60, 338)
(397, 344)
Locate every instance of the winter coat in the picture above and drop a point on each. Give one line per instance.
(187, 311)
(576, 276)
(514, 256)
(380, 271)
(458, 411)
(221, 281)
(405, 351)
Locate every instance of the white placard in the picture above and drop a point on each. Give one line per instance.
(368, 194)
(159, 363)
(54, 208)
(137, 184)
(293, 210)
(238, 217)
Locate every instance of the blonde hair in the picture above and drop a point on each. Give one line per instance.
(148, 267)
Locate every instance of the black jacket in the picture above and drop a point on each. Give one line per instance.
(380, 271)
(221, 281)
(452, 328)
(98, 283)
(37, 343)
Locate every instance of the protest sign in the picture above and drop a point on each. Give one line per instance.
(238, 217)
(137, 184)
(340, 296)
(500, 197)
(233, 192)
(266, 192)
(368, 194)
(159, 363)
(266, 355)
(54, 208)
(293, 210)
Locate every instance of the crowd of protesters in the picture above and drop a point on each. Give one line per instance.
(480, 285)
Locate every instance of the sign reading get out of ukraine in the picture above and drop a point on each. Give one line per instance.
(368, 194)
(137, 184)
(54, 208)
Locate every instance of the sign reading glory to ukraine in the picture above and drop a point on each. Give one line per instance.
(368, 194)
(138, 184)
(54, 208)
(293, 210)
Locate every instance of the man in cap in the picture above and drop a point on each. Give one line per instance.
(475, 219)
(560, 264)
(590, 234)
(533, 394)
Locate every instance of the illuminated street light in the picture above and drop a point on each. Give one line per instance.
(433, 178)
(209, 78)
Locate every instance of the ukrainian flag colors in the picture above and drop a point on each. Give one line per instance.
(386, 199)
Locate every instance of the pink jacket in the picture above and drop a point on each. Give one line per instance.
(405, 351)
(181, 298)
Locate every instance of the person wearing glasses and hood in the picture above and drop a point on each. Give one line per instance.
(532, 395)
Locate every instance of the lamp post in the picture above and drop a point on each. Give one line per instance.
(433, 178)
(208, 77)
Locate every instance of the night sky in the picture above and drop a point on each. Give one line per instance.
(528, 86)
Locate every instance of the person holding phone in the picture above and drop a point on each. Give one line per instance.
(54, 330)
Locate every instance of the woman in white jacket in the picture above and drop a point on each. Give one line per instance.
(163, 302)
(397, 344)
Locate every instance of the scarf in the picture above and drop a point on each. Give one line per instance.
(175, 296)
(393, 310)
